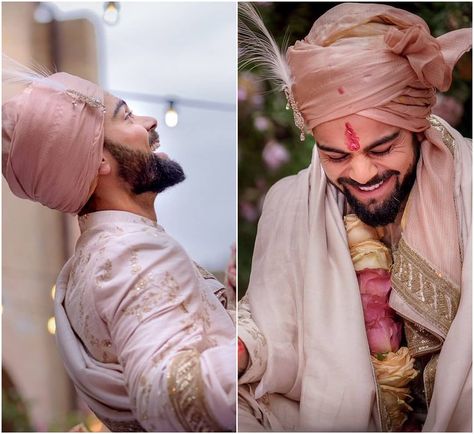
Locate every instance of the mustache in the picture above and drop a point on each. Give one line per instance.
(153, 137)
(375, 180)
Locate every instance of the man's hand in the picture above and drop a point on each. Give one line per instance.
(243, 357)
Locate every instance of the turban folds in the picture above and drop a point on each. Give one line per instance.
(373, 60)
(53, 136)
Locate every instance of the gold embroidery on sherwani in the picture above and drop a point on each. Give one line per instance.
(135, 266)
(419, 340)
(447, 138)
(203, 272)
(122, 426)
(144, 299)
(185, 390)
(433, 297)
(424, 289)
(250, 327)
(106, 272)
(429, 377)
(385, 421)
(144, 391)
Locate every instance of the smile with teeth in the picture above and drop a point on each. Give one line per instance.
(372, 187)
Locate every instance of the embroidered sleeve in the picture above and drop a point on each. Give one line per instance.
(174, 340)
(255, 343)
(186, 393)
(225, 295)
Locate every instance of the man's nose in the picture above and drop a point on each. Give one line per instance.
(362, 169)
(148, 122)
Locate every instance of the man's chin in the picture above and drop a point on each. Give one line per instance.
(376, 214)
(158, 175)
(162, 155)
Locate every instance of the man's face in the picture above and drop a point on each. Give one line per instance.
(372, 163)
(131, 140)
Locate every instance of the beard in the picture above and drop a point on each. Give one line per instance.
(384, 213)
(145, 172)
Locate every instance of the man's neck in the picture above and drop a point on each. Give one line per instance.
(142, 205)
(392, 232)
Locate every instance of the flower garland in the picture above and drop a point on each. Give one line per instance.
(392, 364)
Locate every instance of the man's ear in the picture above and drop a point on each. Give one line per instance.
(104, 168)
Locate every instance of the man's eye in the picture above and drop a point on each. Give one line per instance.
(385, 151)
(337, 159)
(129, 115)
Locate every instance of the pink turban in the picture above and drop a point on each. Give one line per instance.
(53, 136)
(373, 60)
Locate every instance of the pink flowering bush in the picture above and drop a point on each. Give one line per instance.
(274, 155)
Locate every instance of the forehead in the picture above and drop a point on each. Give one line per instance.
(368, 130)
(111, 102)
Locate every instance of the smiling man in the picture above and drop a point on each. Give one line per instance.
(358, 312)
(376, 178)
(147, 336)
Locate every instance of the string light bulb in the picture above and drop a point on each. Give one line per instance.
(53, 291)
(111, 13)
(171, 115)
(51, 325)
(43, 14)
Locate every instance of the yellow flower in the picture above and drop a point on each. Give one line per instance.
(395, 400)
(396, 369)
(393, 374)
(371, 254)
(357, 231)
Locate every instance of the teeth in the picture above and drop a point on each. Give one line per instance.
(372, 187)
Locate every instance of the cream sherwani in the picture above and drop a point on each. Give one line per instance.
(302, 319)
(144, 332)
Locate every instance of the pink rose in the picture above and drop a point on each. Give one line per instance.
(374, 281)
(384, 331)
(384, 335)
(375, 308)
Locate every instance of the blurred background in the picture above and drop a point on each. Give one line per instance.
(173, 61)
(269, 145)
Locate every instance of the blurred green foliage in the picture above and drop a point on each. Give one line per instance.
(269, 145)
(15, 411)
(14, 414)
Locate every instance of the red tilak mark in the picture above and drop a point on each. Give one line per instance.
(340, 90)
(352, 141)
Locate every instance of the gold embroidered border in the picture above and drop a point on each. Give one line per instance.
(447, 138)
(384, 417)
(122, 426)
(429, 377)
(423, 288)
(185, 390)
(419, 340)
(204, 273)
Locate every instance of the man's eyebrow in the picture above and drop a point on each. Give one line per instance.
(378, 142)
(329, 149)
(382, 141)
(119, 105)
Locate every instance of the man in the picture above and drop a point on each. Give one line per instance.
(310, 357)
(146, 335)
